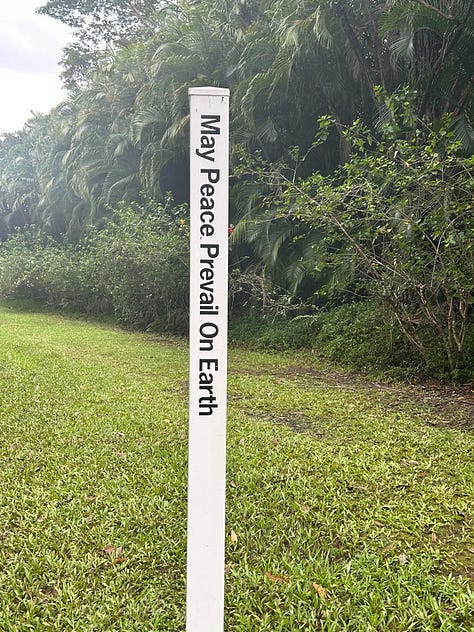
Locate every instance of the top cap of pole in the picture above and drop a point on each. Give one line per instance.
(208, 91)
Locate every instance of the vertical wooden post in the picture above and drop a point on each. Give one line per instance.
(209, 151)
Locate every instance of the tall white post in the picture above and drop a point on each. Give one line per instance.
(209, 162)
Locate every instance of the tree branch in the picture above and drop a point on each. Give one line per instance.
(426, 4)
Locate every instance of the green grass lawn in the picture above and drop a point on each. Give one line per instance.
(352, 507)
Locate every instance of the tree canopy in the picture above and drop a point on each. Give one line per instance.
(122, 132)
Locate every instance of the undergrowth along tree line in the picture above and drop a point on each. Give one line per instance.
(352, 171)
(135, 268)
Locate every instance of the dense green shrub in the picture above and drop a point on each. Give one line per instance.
(273, 335)
(32, 267)
(361, 335)
(135, 268)
(400, 213)
(140, 266)
(356, 334)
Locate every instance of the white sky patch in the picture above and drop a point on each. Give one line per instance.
(30, 50)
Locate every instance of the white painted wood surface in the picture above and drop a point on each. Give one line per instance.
(209, 157)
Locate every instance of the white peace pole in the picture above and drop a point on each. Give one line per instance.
(209, 163)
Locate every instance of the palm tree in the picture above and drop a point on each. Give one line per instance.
(434, 43)
(18, 180)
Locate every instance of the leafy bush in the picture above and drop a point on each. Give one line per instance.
(140, 265)
(356, 334)
(361, 335)
(400, 213)
(135, 268)
(279, 335)
(32, 267)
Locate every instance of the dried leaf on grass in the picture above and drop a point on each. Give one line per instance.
(110, 549)
(322, 592)
(275, 578)
(233, 537)
(118, 560)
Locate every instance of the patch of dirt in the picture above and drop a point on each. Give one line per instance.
(452, 406)
(465, 565)
(295, 420)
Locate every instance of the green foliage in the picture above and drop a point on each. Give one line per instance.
(355, 334)
(34, 267)
(430, 41)
(252, 292)
(278, 335)
(400, 215)
(123, 129)
(121, 137)
(141, 262)
(95, 23)
(135, 268)
(361, 335)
